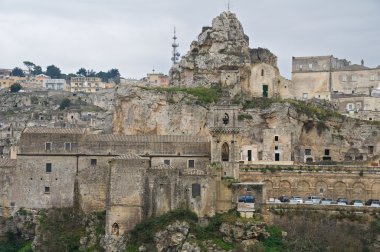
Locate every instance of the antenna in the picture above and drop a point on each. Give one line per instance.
(175, 53)
(228, 6)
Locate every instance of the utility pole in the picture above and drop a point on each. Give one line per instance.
(175, 53)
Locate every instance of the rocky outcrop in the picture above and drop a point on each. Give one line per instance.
(220, 56)
(245, 233)
(172, 237)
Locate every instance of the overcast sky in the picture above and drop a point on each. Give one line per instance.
(135, 35)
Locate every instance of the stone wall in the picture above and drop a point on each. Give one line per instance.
(324, 181)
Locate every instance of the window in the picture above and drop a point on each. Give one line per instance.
(93, 161)
(372, 77)
(308, 152)
(225, 152)
(276, 138)
(67, 146)
(262, 72)
(276, 147)
(305, 96)
(327, 152)
(48, 146)
(190, 164)
(260, 155)
(48, 167)
(167, 161)
(310, 66)
(277, 157)
(249, 155)
(195, 190)
(300, 67)
(344, 77)
(47, 189)
(370, 149)
(354, 78)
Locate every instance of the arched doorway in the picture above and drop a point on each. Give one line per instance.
(340, 190)
(285, 188)
(358, 191)
(303, 189)
(225, 152)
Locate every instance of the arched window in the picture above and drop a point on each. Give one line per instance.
(225, 152)
(226, 119)
(115, 229)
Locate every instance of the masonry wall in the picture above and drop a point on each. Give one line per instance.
(263, 74)
(6, 183)
(307, 85)
(32, 180)
(333, 182)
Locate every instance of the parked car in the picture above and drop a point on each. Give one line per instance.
(373, 202)
(357, 202)
(296, 200)
(342, 201)
(247, 198)
(326, 201)
(283, 198)
(313, 200)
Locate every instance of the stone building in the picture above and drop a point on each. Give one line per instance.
(85, 84)
(321, 76)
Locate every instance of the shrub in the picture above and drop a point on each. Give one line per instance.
(65, 103)
(15, 87)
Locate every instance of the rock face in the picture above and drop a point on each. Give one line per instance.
(172, 236)
(243, 232)
(140, 111)
(220, 56)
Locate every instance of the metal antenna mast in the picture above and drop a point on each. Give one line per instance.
(175, 54)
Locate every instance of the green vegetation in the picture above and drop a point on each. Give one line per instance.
(242, 117)
(203, 94)
(144, 231)
(311, 110)
(62, 229)
(15, 87)
(65, 103)
(258, 102)
(15, 243)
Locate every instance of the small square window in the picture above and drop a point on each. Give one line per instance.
(370, 149)
(48, 167)
(327, 152)
(167, 161)
(276, 147)
(67, 146)
(191, 163)
(93, 161)
(308, 152)
(48, 146)
(276, 138)
(47, 189)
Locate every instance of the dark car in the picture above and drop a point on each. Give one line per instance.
(372, 201)
(342, 201)
(247, 199)
(283, 198)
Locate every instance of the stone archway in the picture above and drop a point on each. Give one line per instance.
(340, 190)
(303, 189)
(375, 191)
(284, 188)
(321, 188)
(269, 189)
(225, 152)
(358, 191)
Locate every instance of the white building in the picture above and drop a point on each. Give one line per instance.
(54, 84)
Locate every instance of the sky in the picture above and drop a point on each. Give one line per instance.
(135, 36)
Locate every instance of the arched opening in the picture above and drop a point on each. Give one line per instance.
(195, 190)
(309, 160)
(262, 72)
(225, 152)
(226, 119)
(115, 229)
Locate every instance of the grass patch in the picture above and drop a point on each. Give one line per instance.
(203, 94)
(242, 117)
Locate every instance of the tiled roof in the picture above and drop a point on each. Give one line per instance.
(45, 130)
(7, 162)
(128, 156)
(146, 138)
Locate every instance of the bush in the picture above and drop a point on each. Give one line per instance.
(65, 103)
(15, 87)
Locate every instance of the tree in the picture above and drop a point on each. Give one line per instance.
(15, 87)
(65, 103)
(17, 72)
(82, 71)
(37, 70)
(54, 72)
(30, 66)
(91, 73)
(114, 75)
(102, 75)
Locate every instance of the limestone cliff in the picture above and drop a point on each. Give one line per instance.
(221, 55)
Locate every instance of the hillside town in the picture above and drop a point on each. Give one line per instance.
(222, 130)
